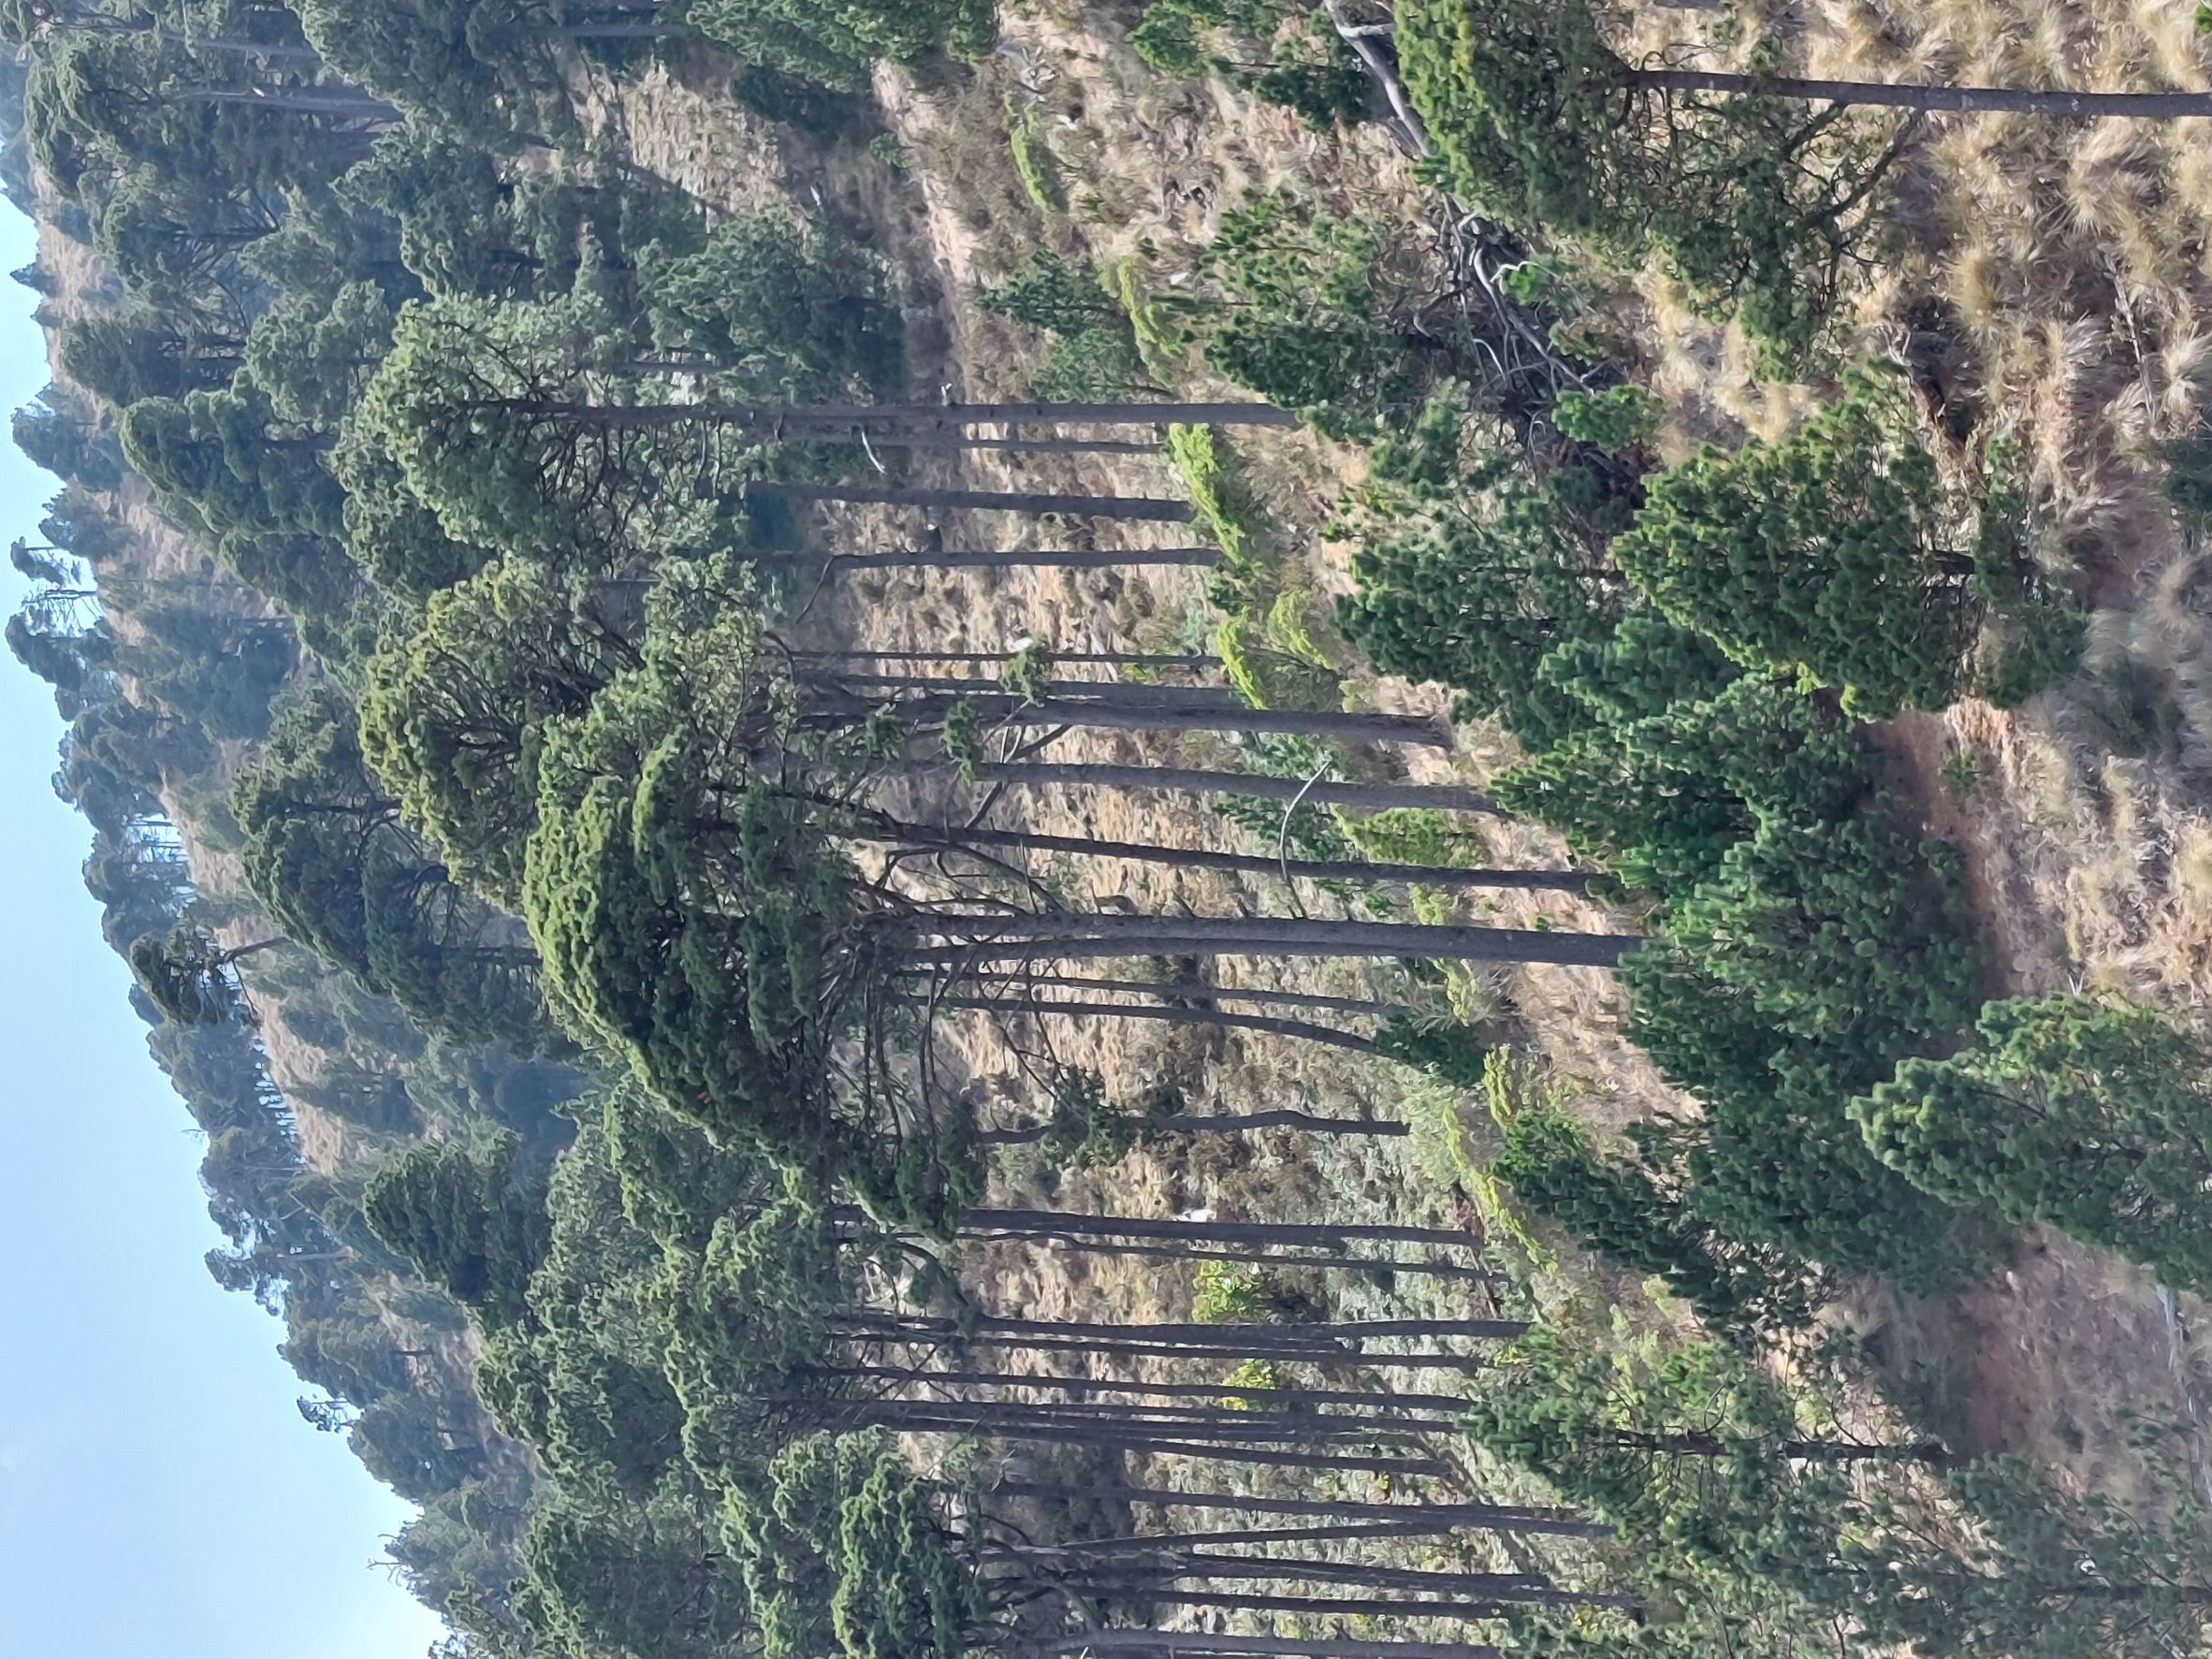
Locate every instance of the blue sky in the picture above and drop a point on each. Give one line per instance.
(159, 1494)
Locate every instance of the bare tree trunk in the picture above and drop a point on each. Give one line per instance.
(2085, 106)
(1450, 876)
(1257, 1232)
(977, 939)
(1145, 509)
(1184, 781)
(1012, 711)
(985, 559)
(1200, 991)
(775, 417)
(1226, 1123)
(1207, 1645)
(1213, 1019)
(1109, 659)
(1467, 1517)
(1288, 1398)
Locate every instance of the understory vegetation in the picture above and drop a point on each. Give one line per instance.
(685, 775)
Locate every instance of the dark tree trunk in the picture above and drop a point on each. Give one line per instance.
(1204, 1645)
(2085, 106)
(1450, 876)
(1467, 1517)
(984, 559)
(1013, 711)
(1285, 1398)
(1183, 780)
(1144, 509)
(775, 417)
(1212, 1019)
(975, 940)
(1333, 1235)
(1109, 659)
(1200, 991)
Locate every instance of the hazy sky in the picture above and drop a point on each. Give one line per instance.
(159, 1494)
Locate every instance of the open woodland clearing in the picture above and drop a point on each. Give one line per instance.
(1376, 832)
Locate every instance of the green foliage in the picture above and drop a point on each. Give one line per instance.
(1613, 1206)
(1314, 312)
(1469, 572)
(473, 1224)
(1446, 1050)
(1033, 160)
(1826, 552)
(1757, 202)
(1240, 1294)
(785, 308)
(1306, 71)
(2087, 1116)
(1815, 959)
(1094, 354)
(1620, 417)
(834, 44)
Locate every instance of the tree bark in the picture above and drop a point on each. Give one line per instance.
(1144, 509)
(1019, 559)
(1200, 991)
(1213, 1019)
(1450, 876)
(1469, 1517)
(1257, 1232)
(977, 939)
(1450, 1405)
(922, 416)
(2085, 106)
(1013, 711)
(1225, 1646)
(1189, 781)
(1109, 659)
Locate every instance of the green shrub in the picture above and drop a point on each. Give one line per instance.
(1757, 203)
(1033, 160)
(1093, 355)
(2088, 1117)
(1824, 551)
(1468, 571)
(1616, 1208)
(1619, 417)
(1446, 1050)
(1244, 1293)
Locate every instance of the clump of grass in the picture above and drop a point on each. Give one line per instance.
(1033, 160)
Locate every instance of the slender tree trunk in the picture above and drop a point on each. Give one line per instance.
(983, 559)
(977, 939)
(1506, 1587)
(1212, 1019)
(1143, 1543)
(2085, 106)
(1244, 1338)
(1223, 1123)
(1015, 712)
(1493, 1518)
(1207, 1645)
(1450, 877)
(1182, 780)
(1109, 659)
(1144, 509)
(775, 417)
(962, 440)
(1323, 1606)
(1199, 990)
(1333, 1235)
(1285, 1398)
